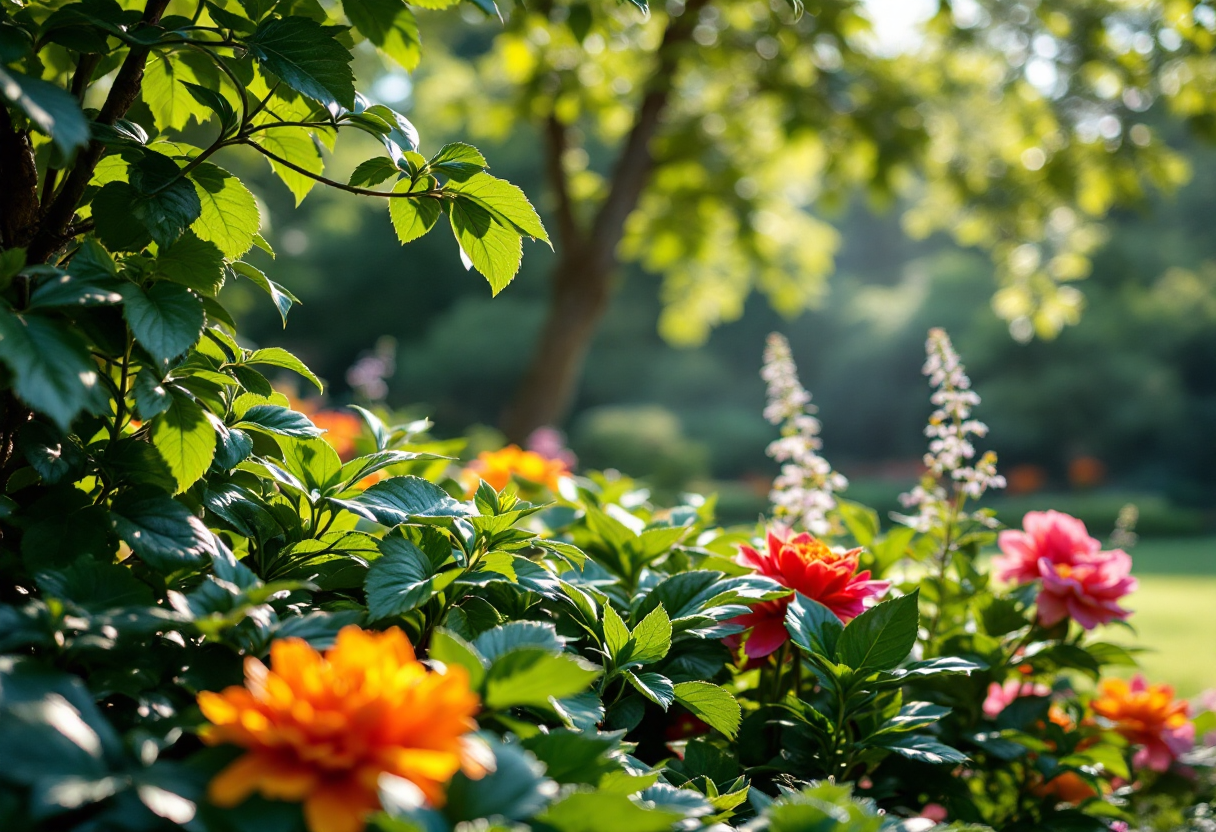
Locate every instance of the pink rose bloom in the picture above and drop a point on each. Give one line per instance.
(1087, 591)
(1047, 534)
(1001, 697)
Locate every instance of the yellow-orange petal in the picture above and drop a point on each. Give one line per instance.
(237, 782)
(339, 807)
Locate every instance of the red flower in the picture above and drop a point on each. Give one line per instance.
(1054, 535)
(807, 565)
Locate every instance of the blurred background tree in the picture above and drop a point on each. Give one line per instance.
(706, 140)
(1126, 398)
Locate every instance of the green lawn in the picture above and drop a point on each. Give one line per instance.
(1175, 611)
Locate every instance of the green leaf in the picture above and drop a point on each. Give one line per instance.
(921, 749)
(151, 397)
(229, 216)
(414, 216)
(55, 374)
(390, 25)
(313, 461)
(400, 580)
(616, 634)
(605, 812)
(53, 110)
(193, 262)
(712, 704)
(882, 636)
(53, 455)
(282, 298)
(813, 627)
(166, 92)
(505, 201)
(281, 421)
(161, 531)
(306, 57)
(166, 319)
(373, 172)
(400, 499)
(458, 161)
(651, 639)
(531, 675)
(518, 635)
(862, 521)
(185, 439)
(454, 651)
(574, 757)
(279, 357)
(159, 199)
(214, 102)
(66, 290)
(494, 249)
(298, 147)
(514, 789)
(654, 686)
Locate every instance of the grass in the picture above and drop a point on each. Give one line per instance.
(1175, 611)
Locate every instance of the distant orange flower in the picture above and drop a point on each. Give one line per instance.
(1068, 787)
(498, 467)
(1148, 716)
(322, 729)
(341, 430)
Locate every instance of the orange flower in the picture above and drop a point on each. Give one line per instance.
(498, 467)
(1068, 787)
(1149, 716)
(341, 430)
(322, 729)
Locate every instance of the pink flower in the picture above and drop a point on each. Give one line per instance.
(935, 812)
(1048, 534)
(1001, 697)
(808, 565)
(1086, 590)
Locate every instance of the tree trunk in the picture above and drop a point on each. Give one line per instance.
(582, 276)
(576, 305)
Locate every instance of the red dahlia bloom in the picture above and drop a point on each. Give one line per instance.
(807, 565)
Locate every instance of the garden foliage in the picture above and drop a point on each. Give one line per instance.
(211, 619)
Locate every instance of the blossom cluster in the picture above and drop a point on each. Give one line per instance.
(803, 493)
(1080, 581)
(950, 429)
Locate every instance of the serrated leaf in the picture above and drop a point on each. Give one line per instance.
(390, 25)
(491, 247)
(813, 627)
(193, 262)
(922, 749)
(399, 499)
(185, 439)
(307, 58)
(53, 110)
(505, 201)
(458, 161)
(654, 686)
(712, 704)
(161, 531)
(400, 580)
(372, 172)
(282, 298)
(297, 146)
(412, 217)
(279, 357)
(55, 373)
(882, 636)
(651, 639)
(282, 421)
(531, 675)
(166, 318)
(229, 216)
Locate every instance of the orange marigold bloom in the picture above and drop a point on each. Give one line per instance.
(498, 467)
(342, 429)
(1149, 716)
(322, 729)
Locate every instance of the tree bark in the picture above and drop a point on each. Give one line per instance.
(581, 280)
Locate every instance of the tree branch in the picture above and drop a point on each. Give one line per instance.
(634, 165)
(333, 183)
(19, 191)
(557, 136)
(123, 93)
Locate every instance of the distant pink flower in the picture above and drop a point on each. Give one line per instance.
(935, 812)
(1054, 535)
(1087, 590)
(1001, 697)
